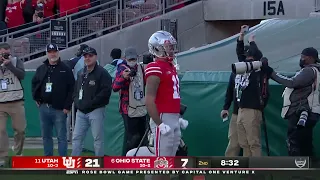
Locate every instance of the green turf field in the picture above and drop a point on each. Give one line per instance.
(39, 152)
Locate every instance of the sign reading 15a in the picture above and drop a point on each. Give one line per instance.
(272, 8)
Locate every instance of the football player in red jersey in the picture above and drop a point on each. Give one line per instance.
(163, 95)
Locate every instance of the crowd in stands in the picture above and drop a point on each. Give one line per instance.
(16, 15)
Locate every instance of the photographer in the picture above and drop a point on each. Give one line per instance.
(242, 50)
(47, 6)
(38, 16)
(251, 89)
(301, 105)
(130, 81)
(11, 101)
(37, 40)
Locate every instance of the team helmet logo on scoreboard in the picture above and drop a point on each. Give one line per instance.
(71, 163)
(300, 162)
(161, 162)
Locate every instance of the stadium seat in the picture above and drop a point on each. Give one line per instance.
(20, 47)
(149, 6)
(132, 13)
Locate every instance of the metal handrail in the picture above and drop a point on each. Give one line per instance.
(61, 18)
(72, 18)
(95, 7)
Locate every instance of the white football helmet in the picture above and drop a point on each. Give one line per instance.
(162, 44)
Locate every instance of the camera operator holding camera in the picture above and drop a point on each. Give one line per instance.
(251, 89)
(130, 81)
(11, 101)
(301, 105)
(38, 16)
(48, 7)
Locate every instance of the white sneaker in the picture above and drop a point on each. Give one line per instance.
(13, 151)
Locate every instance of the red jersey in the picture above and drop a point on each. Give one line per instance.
(68, 7)
(14, 13)
(168, 94)
(84, 4)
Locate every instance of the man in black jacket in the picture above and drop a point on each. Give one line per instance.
(52, 88)
(252, 94)
(233, 148)
(91, 95)
(301, 106)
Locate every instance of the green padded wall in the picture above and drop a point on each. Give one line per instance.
(207, 134)
(203, 93)
(32, 116)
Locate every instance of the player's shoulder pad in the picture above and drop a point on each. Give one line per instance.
(152, 64)
(153, 68)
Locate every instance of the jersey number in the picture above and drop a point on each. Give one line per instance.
(176, 87)
(8, 80)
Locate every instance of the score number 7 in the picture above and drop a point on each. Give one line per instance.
(184, 162)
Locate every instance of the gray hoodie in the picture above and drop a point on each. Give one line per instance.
(302, 85)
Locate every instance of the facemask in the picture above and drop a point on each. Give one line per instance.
(132, 64)
(301, 63)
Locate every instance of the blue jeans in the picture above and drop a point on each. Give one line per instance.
(95, 120)
(52, 118)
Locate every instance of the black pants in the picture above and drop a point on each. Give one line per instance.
(299, 139)
(134, 131)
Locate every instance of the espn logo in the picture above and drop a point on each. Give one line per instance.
(72, 172)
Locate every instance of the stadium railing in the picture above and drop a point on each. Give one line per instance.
(87, 24)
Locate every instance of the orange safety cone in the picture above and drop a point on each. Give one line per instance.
(199, 177)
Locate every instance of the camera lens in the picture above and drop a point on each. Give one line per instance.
(132, 73)
(40, 14)
(303, 118)
(5, 56)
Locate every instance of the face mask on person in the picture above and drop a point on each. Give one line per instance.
(132, 63)
(302, 63)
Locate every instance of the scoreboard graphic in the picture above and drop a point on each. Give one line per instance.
(154, 165)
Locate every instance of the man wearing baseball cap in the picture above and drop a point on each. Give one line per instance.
(52, 89)
(129, 82)
(92, 94)
(301, 106)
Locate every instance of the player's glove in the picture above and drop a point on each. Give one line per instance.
(183, 123)
(164, 129)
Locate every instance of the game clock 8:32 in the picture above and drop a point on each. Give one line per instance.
(225, 162)
(230, 162)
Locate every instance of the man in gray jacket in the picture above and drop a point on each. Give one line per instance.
(301, 106)
(11, 101)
